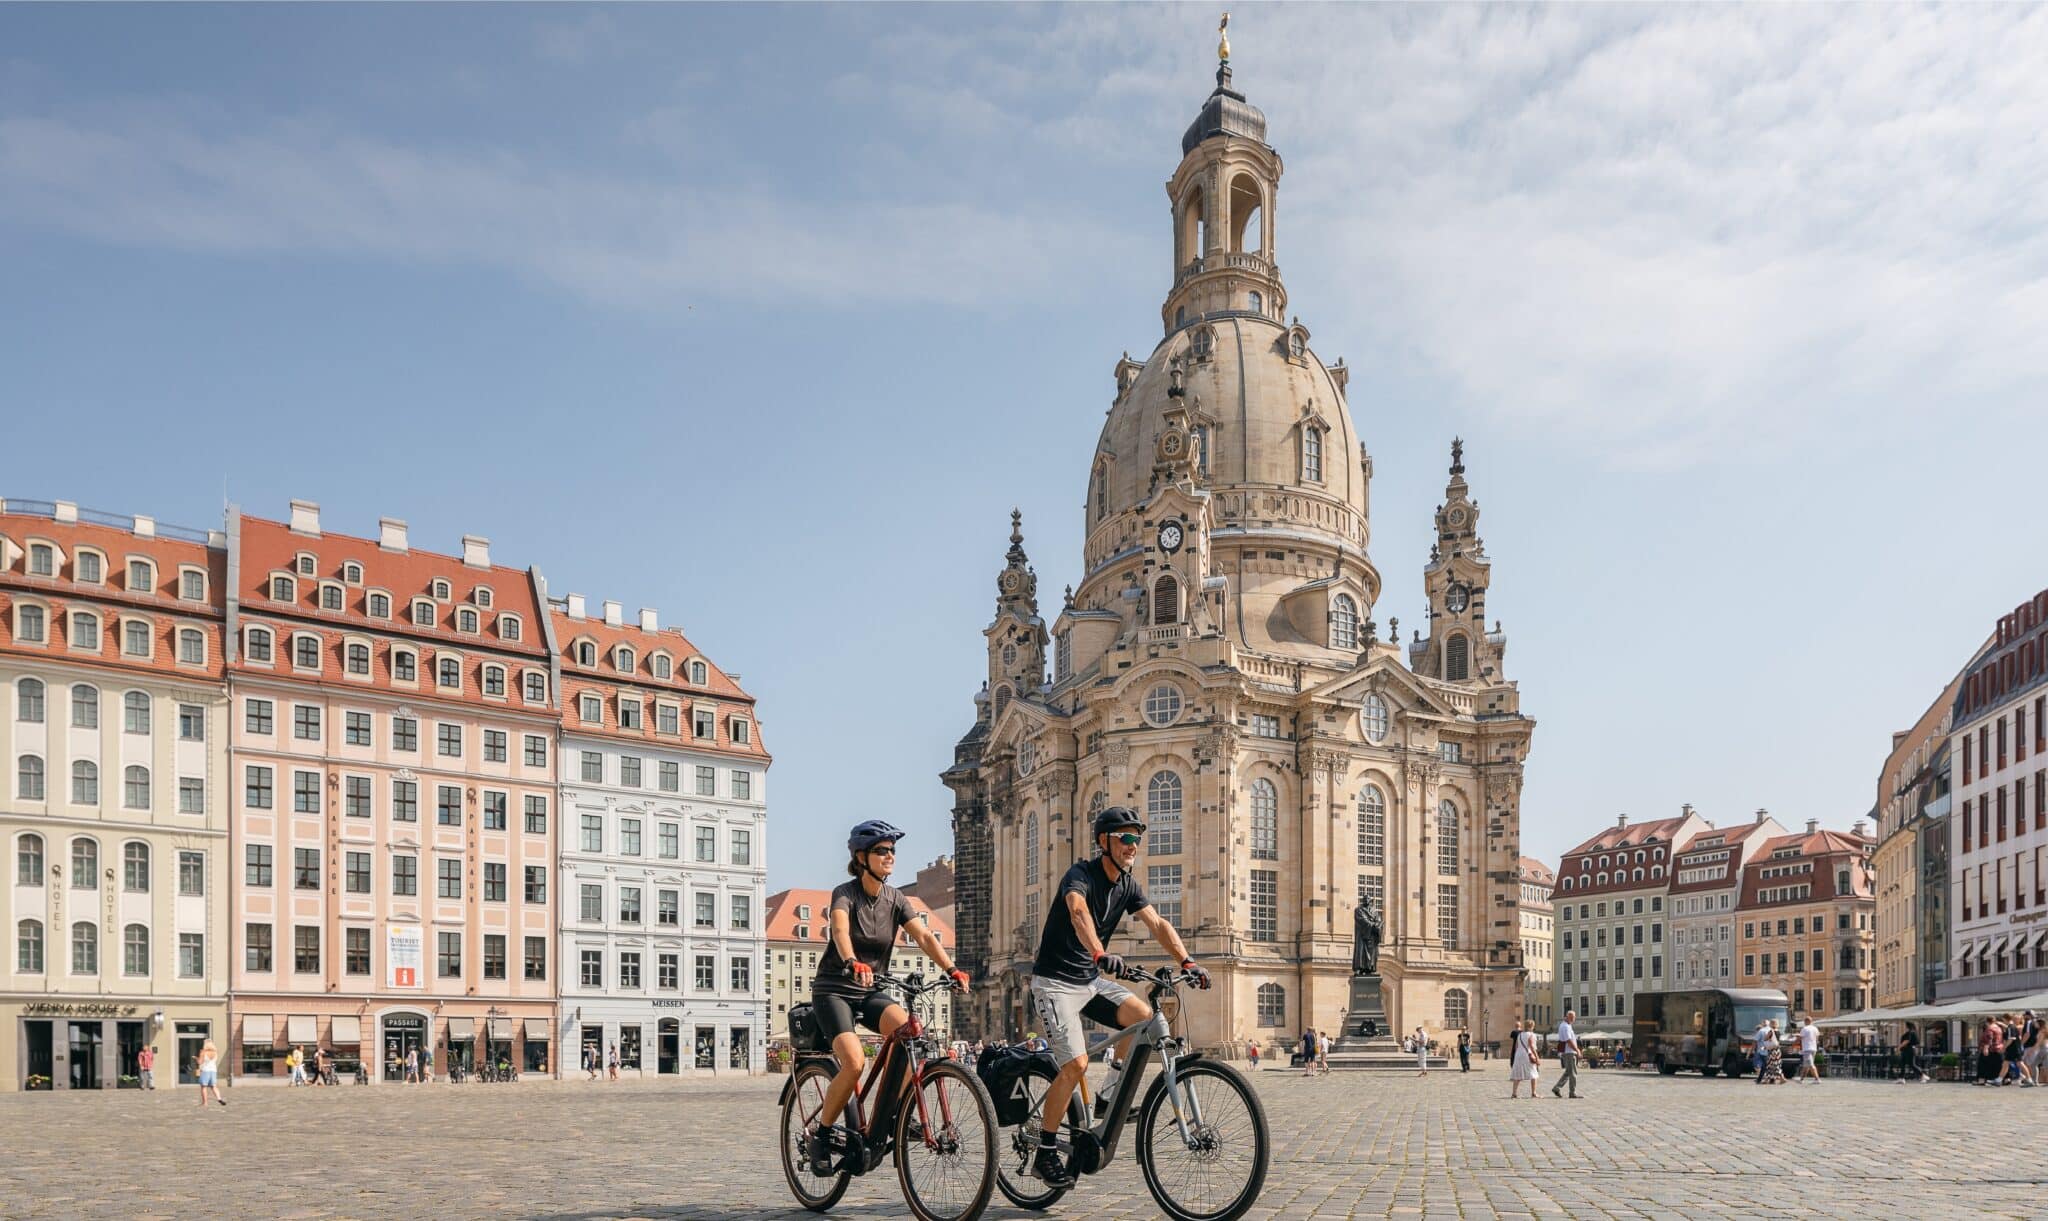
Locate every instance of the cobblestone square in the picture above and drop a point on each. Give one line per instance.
(1345, 1146)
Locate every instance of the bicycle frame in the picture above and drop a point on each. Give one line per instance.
(897, 1066)
(1153, 1034)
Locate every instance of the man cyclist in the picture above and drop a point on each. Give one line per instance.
(865, 914)
(1069, 979)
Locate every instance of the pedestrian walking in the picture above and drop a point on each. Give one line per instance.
(1990, 1052)
(412, 1066)
(426, 1066)
(1522, 1058)
(1464, 1051)
(209, 1065)
(1308, 1052)
(1909, 1056)
(1809, 1046)
(1567, 1057)
(145, 1066)
(590, 1061)
(2011, 1074)
(1421, 1052)
(2030, 1049)
(1322, 1053)
(1774, 1063)
(1252, 1052)
(612, 1064)
(1766, 1036)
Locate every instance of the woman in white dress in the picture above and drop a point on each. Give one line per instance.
(1421, 1052)
(1522, 1060)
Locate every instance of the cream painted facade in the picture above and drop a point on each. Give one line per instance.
(1539, 935)
(1217, 669)
(799, 931)
(1910, 865)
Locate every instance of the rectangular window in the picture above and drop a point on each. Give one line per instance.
(191, 795)
(707, 843)
(629, 837)
(306, 722)
(358, 873)
(448, 877)
(191, 873)
(306, 792)
(495, 882)
(704, 909)
(256, 790)
(667, 719)
(590, 903)
(1265, 905)
(256, 947)
(707, 782)
(590, 968)
(629, 969)
(667, 908)
(355, 796)
(670, 777)
(592, 767)
(742, 974)
(355, 728)
(629, 714)
(405, 875)
(494, 956)
(448, 806)
(1265, 726)
(536, 883)
(1447, 912)
(256, 865)
(448, 961)
(704, 973)
(405, 733)
(495, 745)
(191, 723)
(670, 841)
(536, 750)
(536, 815)
(495, 809)
(629, 771)
(742, 847)
(591, 836)
(742, 912)
(191, 955)
(536, 966)
(668, 971)
(703, 723)
(1162, 886)
(305, 869)
(405, 801)
(306, 949)
(742, 786)
(448, 740)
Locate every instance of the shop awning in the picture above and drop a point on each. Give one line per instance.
(1868, 1017)
(461, 1030)
(501, 1028)
(348, 1030)
(302, 1028)
(256, 1030)
(537, 1030)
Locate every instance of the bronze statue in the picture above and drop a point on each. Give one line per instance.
(1366, 931)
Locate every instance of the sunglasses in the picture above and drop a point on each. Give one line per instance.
(1128, 839)
(884, 850)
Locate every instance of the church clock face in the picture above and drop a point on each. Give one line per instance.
(1456, 598)
(1456, 517)
(1171, 537)
(1011, 581)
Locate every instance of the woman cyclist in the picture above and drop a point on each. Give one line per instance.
(866, 913)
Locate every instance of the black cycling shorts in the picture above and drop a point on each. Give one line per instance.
(835, 1012)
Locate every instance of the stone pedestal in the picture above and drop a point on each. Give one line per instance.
(1367, 1042)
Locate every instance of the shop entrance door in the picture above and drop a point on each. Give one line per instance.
(707, 1047)
(85, 1055)
(593, 1049)
(40, 1052)
(128, 1050)
(191, 1037)
(669, 1047)
(403, 1033)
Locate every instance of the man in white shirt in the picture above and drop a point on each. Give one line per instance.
(1765, 1036)
(1809, 1043)
(1567, 1056)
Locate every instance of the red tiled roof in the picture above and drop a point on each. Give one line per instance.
(1537, 872)
(1827, 850)
(783, 922)
(1629, 839)
(111, 598)
(1731, 838)
(607, 682)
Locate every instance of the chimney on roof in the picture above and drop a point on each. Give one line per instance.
(614, 614)
(66, 511)
(305, 517)
(1621, 821)
(575, 606)
(144, 527)
(391, 534)
(1761, 815)
(476, 551)
(649, 621)
(1812, 825)
(1857, 830)
(1685, 811)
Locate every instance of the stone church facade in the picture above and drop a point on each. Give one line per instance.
(1218, 669)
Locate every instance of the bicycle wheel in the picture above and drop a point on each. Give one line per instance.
(946, 1145)
(801, 1103)
(1019, 1144)
(1216, 1172)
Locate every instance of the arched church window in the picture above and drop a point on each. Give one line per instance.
(1343, 622)
(1203, 343)
(1373, 717)
(1265, 821)
(1101, 493)
(1166, 600)
(1180, 316)
(1457, 660)
(1002, 699)
(1031, 849)
(1446, 837)
(1163, 704)
(1272, 1006)
(1312, 454)
(1455, 1008)
(1162, 814)
(1255, 302)
(1372, 826)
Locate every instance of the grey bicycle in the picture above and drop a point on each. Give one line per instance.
(1202, 1139)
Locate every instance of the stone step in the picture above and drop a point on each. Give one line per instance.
(1368, 1062)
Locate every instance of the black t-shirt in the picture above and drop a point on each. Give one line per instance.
(1060, 952)
(871, 923)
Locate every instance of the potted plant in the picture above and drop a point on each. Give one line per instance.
(127, 1082)
(36, 1081)
(778, 1059)
(1945, 1068)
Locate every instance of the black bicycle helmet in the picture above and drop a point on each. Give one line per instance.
(1114, 818)
(868, 834)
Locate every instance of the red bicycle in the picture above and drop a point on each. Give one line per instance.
(931, 1113)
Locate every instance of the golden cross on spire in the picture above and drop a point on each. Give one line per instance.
(1223, 38)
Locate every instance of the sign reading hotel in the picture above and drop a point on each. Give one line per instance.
(404, 951)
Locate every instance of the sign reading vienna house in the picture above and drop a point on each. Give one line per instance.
(61, 1009)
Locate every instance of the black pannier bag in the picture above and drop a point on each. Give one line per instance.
(1002, 1071)
(804, 1035)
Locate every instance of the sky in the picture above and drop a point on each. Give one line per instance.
(767, 316)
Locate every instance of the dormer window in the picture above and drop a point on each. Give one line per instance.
(90, 566)
(482, 596)
(662, 667)
(586, 653)
(1203, 343)
(135, 638)
(259, 644)
(450, 672)
(192, 585)
(423, 613)
(494, 680)
(1312, 454)
(442, 590)
(283, 589)
(357, 659)
(380, 606)
(536, 688)
(590, 709)
(1343, 622)
(42, 560)
(306, 652)
(352, 572)
(700, 674)
(508, 627)
(305, 564)
(330, 597)
(743, 732)
(623, 659)
(465, 620)
(405, 665)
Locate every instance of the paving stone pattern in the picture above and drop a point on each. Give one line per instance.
(1356, 1145)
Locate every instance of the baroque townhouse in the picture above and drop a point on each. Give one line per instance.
(663, 850)
(1998, 837)
(1706, 882)
(1539, 936)
(799, 930)
(1910, 866)
(1807, 917)
(114, 802)
(1611, 919)
(394, 800)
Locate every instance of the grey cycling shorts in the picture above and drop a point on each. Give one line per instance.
(1061, 1007)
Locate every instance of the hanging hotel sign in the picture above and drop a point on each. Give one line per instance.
(404, 954)
(62, 1009)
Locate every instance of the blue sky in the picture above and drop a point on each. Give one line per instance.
(767, 316)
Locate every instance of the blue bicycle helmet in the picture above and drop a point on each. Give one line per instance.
(868, 834)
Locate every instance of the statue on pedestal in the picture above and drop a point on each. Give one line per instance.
(1367, 928)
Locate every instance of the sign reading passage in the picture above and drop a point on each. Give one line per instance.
(404, 951)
